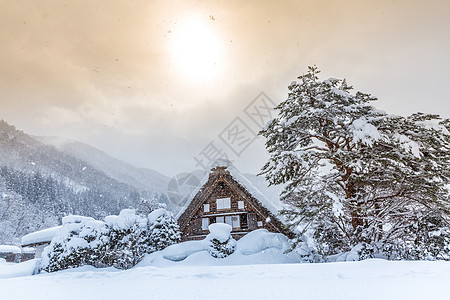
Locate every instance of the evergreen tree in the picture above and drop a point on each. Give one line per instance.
(355, 175)
(164, 230)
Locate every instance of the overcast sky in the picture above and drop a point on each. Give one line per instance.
(155, 82)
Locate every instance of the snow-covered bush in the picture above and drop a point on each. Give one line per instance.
(426, 239)
(74, 245)
(121, 241)
(221, 243)
(164, 230)
(127, 239)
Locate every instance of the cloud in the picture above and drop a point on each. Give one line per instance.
(102, 72)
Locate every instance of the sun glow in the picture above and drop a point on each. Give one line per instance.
(196, 49)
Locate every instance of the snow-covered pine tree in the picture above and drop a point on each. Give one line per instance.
(148, 204)
(164, 230)
(354, 174)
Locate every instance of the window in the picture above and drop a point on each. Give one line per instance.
(224, 203)
(205, 207)
(233, 221)
(205, 223)
(220, 220)
(240, 204)
(259, 223)
(243, 220)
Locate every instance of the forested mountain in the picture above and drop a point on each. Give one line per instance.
(140, 178)
(40, 183)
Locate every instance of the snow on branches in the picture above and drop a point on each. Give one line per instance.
(120, 241)
(353, 173)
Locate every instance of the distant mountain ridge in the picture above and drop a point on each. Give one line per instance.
(140, 178)
(40, 177)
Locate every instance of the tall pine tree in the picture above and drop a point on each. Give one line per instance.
(355, 175)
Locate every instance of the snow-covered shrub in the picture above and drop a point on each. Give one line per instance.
(127, 239)
(74, 245)
(164, 230)
(221, 242)
(121, 241)
(426, 239)
(147, 205)
(359, 252)
(306, 251)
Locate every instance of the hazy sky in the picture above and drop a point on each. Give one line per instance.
(154, 82)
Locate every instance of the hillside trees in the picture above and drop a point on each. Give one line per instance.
(355, 175)
(30, 201)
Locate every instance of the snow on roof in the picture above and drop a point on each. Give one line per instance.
(40, 236)
(9, 249)
(28, 250)
(272, 206)
(76, 219)
(192, 195)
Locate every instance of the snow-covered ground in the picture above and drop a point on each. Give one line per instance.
(370, 279)
(258, 269)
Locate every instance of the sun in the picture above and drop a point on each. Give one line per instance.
(196, 49)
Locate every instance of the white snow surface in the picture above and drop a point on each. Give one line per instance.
(260, 240)
(433, 124)
(273, 205)
(40, 236)
(408, 144)
(76, 219)
(47, 234)
(258, 269)
(10, 270)
(154, 215)
(9, 249)
(219, 231)
(369, 279)
(125, 219)
(364, 132)
(28, 250)
(257, 247)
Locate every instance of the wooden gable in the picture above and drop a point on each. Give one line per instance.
(223, 199)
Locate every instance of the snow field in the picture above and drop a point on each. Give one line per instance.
(258, 269)
(370, 279)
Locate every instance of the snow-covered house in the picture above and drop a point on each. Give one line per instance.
(39, 239)
(10, 253)
(228, 197)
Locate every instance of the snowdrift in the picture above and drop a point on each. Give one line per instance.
(256, 247)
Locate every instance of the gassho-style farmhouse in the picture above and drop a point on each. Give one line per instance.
(232, 199)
